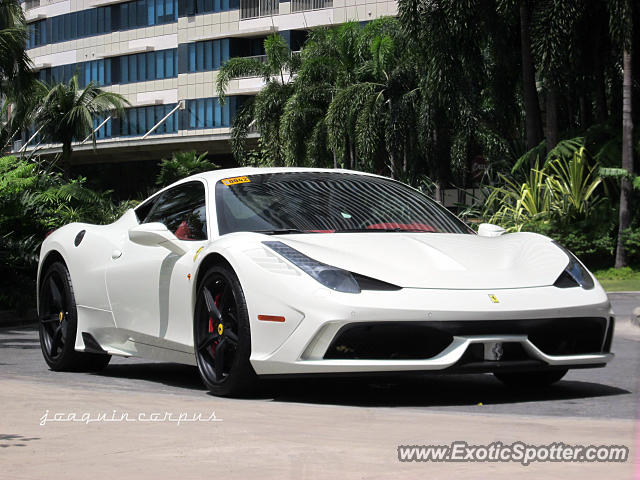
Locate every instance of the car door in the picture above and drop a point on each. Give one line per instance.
(139, 277)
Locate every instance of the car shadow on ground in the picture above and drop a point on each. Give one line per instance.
(170, 374)
(430, 390)
(398, 391)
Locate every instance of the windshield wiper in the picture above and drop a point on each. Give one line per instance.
(373, 230)
(279, 231)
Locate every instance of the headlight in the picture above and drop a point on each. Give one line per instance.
(575, 274)
(333, 277)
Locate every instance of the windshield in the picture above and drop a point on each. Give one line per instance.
(323, 202)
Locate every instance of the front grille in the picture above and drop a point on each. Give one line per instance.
(423, 340)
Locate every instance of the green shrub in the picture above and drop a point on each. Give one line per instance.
(33, 201)
(182, 165)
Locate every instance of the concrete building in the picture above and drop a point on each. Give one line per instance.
(163, 56)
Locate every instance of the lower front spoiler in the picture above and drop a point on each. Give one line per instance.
(450, 359)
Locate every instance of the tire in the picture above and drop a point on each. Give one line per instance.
(59, 324)
(222, 335)
(532, 379)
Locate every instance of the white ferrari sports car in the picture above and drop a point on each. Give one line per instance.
(254, 272)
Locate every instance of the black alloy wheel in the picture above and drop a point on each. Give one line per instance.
(222, 339)
(58, 324)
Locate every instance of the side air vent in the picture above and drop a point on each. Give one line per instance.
(79, 237)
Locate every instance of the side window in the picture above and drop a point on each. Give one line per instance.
(143, 210)
(183, 210)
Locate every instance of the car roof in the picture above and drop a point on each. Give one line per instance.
(216, 175)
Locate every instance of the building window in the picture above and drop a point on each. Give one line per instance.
(100, 20)
(138, 121)
(147, 66)
(105, 130)
(300, 5)
(208, 113)
(258, 8)
(144, 13)
(208, 55)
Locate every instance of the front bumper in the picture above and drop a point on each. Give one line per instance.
(306, 348)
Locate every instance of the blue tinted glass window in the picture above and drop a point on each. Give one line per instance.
(107, 71)
(171, 128)
(216, 54)
(150, 114)
(191, 110)
(94, 21)
(151, 15)
(101, 72)
(209, 113)
(225, 50)
(151, 66)
(133, 68)
(219, 119)
(192, 57)
(94, 71)
(208, 55)
(124, 15)
(124, 69)
(100, 20)
(159, 65)
(201, 113)
(199, 56)
(169, 64)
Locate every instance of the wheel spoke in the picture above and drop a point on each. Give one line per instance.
(231, 337)
(207, 353)
(206, 342)
(219, 359)
(55, 294)
(55, 340)
(211, 304)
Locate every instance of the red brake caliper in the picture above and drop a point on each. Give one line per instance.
(211, 327)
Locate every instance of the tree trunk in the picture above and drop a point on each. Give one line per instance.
(552, 117)
(66, 160)
(335, 160)
(627, 159)
(586, 118)
(599, 86)
(531, 104)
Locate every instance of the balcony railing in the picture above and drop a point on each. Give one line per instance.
(258, 8)
(301, 5)
(29, 4)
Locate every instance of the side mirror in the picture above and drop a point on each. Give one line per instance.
(156, 235)
(489, 230)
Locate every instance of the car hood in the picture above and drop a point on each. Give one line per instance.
(439, 260)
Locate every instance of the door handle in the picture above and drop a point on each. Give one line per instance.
(116, 254)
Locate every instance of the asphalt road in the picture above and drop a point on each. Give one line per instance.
(321, 421)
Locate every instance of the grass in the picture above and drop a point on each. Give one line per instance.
(619, 280)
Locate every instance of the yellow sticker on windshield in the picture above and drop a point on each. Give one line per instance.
(235, 180)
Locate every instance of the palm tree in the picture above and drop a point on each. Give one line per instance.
(330, 61)
(66, 113)
(16, 78)
(530, 93)
(265, 109)
(621, 25)
(376, 113)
